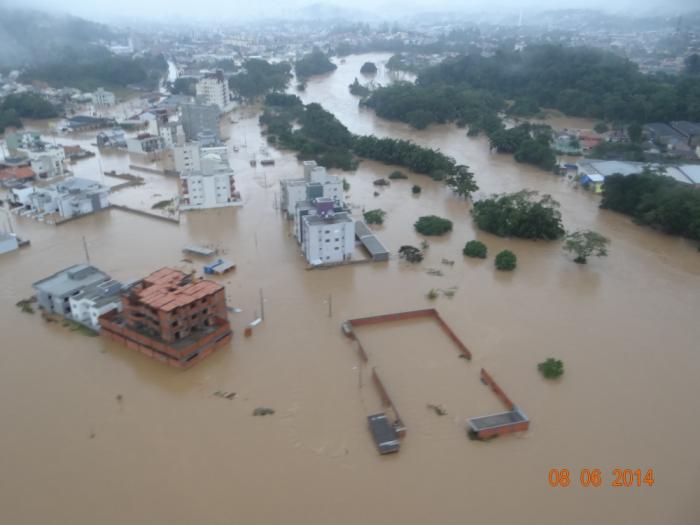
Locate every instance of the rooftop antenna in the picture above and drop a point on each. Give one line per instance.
(87, 253)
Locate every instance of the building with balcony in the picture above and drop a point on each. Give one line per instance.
(209, 184)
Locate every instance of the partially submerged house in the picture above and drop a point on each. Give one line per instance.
(80, 292)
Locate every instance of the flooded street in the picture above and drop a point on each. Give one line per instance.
(169, 451)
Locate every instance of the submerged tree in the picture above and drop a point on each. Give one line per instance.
(584, 243)
(462, 182)
(551, 368)
(475, 249)
(433, 225)
(374, 216)
(506, 261)
(411, 254)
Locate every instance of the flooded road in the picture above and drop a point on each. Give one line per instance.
(171, 452)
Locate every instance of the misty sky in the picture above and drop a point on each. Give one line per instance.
(232, 10)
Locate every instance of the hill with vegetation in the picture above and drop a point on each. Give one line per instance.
(31, 37)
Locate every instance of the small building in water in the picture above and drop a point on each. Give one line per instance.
(54, 293)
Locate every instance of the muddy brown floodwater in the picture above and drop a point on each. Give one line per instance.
(169, 451)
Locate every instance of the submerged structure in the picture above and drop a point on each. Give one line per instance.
(171, 316)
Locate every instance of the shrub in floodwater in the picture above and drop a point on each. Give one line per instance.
(398, 175)
(432, 294)
(475, 249)
(416, 189)
(374, 216)
(433, 225)
(506, 260)
(551, 368)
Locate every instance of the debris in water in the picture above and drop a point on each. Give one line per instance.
(120, 398)
(438, 409)
(433, 271)
(263, 411)
(448, 262)
(224, 394)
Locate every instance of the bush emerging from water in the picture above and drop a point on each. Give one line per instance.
(506, 261)
(374, 216)
(416, 189)
(410, 253)
(398, 175)
(551, 368)
(521, 214)
(475, 249)
(433, 225)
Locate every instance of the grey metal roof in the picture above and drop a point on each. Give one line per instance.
(373, 245)
(497, 420)
(71, 279)
(361, 229)
(686, 128)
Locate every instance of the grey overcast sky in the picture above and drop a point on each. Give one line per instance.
(231, 10)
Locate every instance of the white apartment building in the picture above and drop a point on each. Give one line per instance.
(103, 99)
(171, 133)
(47, 162)
(327, 233)
(213, 89)
(188, 156)
(211, 186)
(315, 184)
(91, 302)
(69, 198)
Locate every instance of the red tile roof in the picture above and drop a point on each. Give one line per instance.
(19, 173)
(163, 290)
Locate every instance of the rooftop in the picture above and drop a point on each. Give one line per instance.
(71, 279)
(167, 289)
(497, 420)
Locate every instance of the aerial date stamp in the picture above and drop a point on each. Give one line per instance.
(595, 477)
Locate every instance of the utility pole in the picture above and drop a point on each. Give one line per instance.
(330, 305)
(262, 305)
(87, 254)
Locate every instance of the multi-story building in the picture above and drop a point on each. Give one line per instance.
(325, 231)
(211, 186)
(188, 156)
(145, 144)
(213, 89)
(172, 317)
(47, 161)
(54, 293)
(91, 302)
(103, 99)
(198, 119)
(69, 198)
(315, 183)
(172, 134)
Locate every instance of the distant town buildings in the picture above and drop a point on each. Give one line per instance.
(200, 119)
(46, 160)
(213, 89)
(68, 198)
(172, 317)
(592, 172)
(86, 123)
(172, 134)
(103, 99)
(206, 181)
